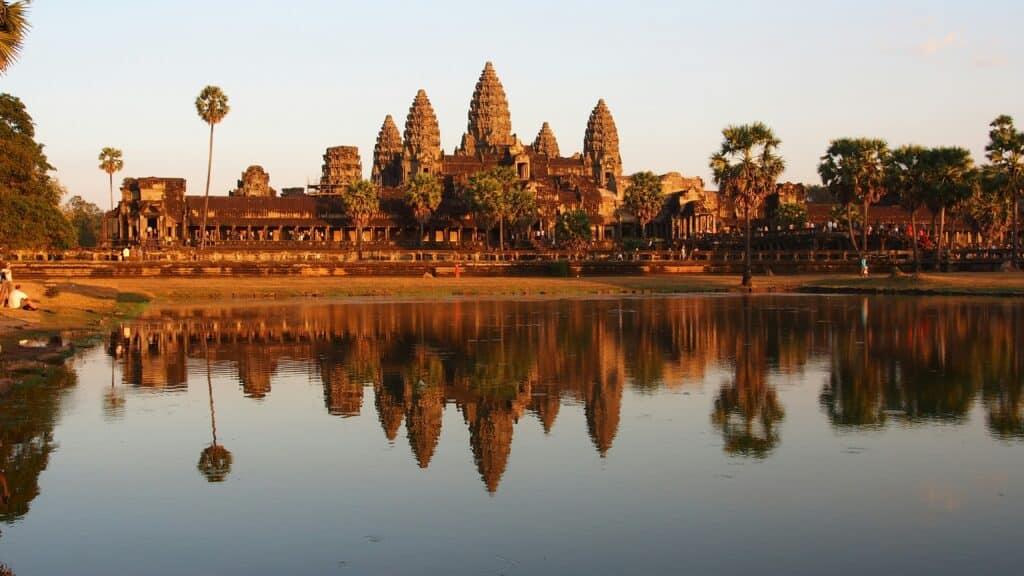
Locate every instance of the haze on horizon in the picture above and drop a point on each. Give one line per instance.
(310, 74)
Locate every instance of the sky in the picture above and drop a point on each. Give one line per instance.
(304, 75)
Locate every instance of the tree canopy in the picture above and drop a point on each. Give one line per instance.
(497, 196)
(643, 198)
(854, 170)
(29, 198)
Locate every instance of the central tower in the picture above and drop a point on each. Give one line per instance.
(490, 124)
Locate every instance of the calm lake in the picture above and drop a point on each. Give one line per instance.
(679, 435)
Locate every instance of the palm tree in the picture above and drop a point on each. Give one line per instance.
(110, 162)
(643, 198)
(746, 170)
(853, 169)
(906, 177)
(1005, 151)
(950, 175)
(13, 27)
(212, 106)
(423, 195)
(360, 202)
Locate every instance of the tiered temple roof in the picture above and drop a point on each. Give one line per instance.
(387, 155)
(545, 142)
(601, 146)
(490, 123)
(422, 145)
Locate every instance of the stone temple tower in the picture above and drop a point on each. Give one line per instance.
(421, 151)
(545, 142)
(490, 124)
(601, 147)
(387, 155)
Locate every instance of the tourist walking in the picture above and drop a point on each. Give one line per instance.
(6, 281)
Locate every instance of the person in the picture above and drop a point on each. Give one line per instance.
(5, 283)
(863, 266)
(125, 254)
(19, 299)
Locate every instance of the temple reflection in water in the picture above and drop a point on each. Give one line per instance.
(916, 362)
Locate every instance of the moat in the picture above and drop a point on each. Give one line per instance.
(648, 435)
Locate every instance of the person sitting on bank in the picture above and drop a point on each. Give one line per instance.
(19, 299)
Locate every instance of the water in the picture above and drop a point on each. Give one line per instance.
(703, 435)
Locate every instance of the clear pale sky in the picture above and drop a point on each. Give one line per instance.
(303, 75)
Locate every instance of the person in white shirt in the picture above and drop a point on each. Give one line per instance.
(19, 299)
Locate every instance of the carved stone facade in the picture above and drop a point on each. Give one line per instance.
(387, 155)
(591, 181)
(255, 182)
(545, 142)
(341, 167)
(490, 123)
(601, 147)
(421, 149)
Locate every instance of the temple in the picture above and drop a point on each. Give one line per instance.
(156, 212)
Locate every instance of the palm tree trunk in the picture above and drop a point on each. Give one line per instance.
(1016, 231)
(421, 233)
(864, 227)
(747, 275)
(206, 198)
(501, 234)
(849, 229)
(111, 174)
(913, 237)
(359, 242)
(209, 387)
(942, 226)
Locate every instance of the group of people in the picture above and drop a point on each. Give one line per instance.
(11, 295)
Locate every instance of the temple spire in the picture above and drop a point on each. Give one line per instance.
(601, 147)
(490, 124)
(387, 155)
(421, 151)
(545, 143)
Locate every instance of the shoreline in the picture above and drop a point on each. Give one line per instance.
(75, 311)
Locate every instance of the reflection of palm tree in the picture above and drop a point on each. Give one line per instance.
(748, 409)
(113, 400)
(214, 460)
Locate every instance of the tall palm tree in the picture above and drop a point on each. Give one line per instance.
(110, 162)
(746, 170)
(13, 27)
(906, 177)
(1005, 151)
(212, 105)
(423, 195)
(853, 169)
(950, 175)
(360, 202)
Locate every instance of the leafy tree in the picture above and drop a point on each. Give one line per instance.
(520, 207)
(423, 195)
(496, 196)
(989, 208)
(854, 170)
(746, 169)
(643, 198)
(360, 202)
(29, 198)
(111, 162)
(13, 28)
(906, 177)
(573, 229)
(212, 106)
(31, 222)
(791, 214)
(950, 177)
(87, 220)
(1005, 151)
